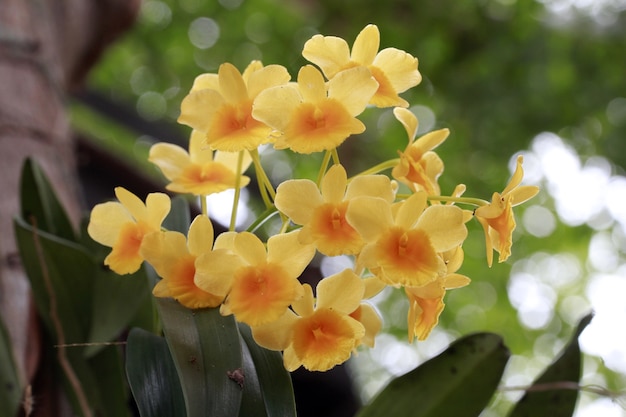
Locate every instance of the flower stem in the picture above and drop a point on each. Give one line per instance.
(233, 214)
(265, 186)
(380, 167)
(323, 167)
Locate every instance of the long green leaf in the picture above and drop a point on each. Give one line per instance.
(274, 380)
(152, 376)
(38, 201)
(206, 349)
(60, 274)
(116, 301)
(551, 394)
(459, 382)
(107, 364)
(11, 389)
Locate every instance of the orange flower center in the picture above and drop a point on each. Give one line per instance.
(323, 340)
(184, 290)
(333, 235)
(407, 257)
(319, 126)
(261, 293)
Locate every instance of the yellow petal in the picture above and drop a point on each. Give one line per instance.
(291, 360)
(232, 87)
(200, 236)
(371, 321)
(366, 45)
(453, 281)
(431, 140)
(253, 66)
(158, 206)
(206, 82)
(106, 221)
(517, 177)
(340, 292)
(161, 289)
(522, 194)
(275, 335)
(161, 249)
(284, 249)
(199, 107)
(225, 241)
(444, 225)
(132, 203)
(372, 287)
(370, 216)
(334, 183)
(215, 270)
(493, 209)
(305, 306)
(354, 88)
(372, 186)
(250, 248)
(488, 244)
(325, 339)
(399, 67)
(298, 200)
(275, 106)
(199, 151)
(311, 84)
(171, 159)
(411, 210)
(267, 77)
(408, 120)
(330, 53)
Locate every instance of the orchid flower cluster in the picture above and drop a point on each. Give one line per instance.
(409, 240)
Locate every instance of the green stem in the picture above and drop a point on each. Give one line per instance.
(265, 186)
(263, 217)
(203, 205)
(380, 167)
(233, 214)
(462, 200)
(323, 168)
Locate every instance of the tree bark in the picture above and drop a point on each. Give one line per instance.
(46, 49)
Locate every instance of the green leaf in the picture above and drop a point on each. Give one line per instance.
(459, 382)
(11, 389)
(60, 273)
(107, 364)
(178, 219)
(548, 396)
(274, 381)
(152, 376)
(38, 201)
(206, 349)
(63, 267)
(116, 301)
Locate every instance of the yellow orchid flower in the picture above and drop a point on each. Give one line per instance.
(404, 240)
(313, 116)
(173, 257)
(322, 214)
(266, 281)
(122, 226)
(419, 166)
(319, 334)
(497, 217)
(426, 303)
(394, 70)
(220, 105)
(199, 171)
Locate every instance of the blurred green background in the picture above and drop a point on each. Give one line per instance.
(542, 78)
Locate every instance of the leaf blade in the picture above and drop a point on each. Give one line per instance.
(459, 382)
(557, 402)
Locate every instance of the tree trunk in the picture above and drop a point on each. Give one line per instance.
(46, 48)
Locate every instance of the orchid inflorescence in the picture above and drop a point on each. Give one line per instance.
(411, 240)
